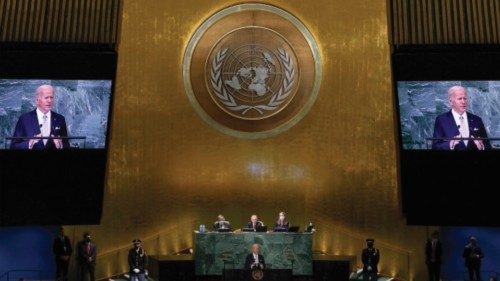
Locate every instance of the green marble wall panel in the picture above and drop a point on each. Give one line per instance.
(214, 251)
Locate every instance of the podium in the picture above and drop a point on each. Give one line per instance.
(257, 274)
(75, 142)
(217, 251)
(492, 141)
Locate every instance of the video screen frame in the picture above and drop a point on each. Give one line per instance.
(430, 111)
(78, 110)
(443, 187)
(69, 190)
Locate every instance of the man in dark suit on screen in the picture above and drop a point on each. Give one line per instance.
(433, 253)
(62, 250)
(458, 123)
(41, 122)
(255, 260)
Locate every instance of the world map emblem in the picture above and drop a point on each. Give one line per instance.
(252, 81)
(252, 70)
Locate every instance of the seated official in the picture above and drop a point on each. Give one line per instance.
(221, 223)
(282, 223)
(41, 122)
(255, 259)
(255, 223)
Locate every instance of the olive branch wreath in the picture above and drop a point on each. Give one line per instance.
(227, 98)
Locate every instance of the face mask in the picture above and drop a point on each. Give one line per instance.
(370, 245)
(87, 239)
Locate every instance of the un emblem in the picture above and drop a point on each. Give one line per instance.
(252, 81)
(257, 274)
(252, 70)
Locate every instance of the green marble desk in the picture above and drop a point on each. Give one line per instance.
(216, 251)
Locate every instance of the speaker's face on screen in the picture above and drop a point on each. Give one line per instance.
(45, 98)
(458, 100)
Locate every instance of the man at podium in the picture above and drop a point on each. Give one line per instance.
(458, 123)
(41, 122)
(255, 260)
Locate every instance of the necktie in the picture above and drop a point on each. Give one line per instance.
(463, 129)
(45, 128)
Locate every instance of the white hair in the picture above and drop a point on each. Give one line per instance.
(43, 87)
(453, 89)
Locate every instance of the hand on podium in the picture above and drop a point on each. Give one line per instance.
(454, 142)
(256, 265)
(57, 142)
(32, 142)
(479, 143)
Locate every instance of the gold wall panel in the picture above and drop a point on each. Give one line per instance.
(56, 21)
(445, 21)
(169, 171)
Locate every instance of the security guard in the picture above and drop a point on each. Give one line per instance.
(370, 257)
(138, 262)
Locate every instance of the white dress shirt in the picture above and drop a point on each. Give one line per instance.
(463, 123)
(44, 126)
(256, 258)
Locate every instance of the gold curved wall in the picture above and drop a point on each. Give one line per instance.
(169, 171)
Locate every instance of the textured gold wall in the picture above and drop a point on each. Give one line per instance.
(445, 21)
(169, 171)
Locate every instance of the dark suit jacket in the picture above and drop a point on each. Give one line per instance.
(469, 256)
(285, 225)
(445, 127)
(28, 126)
(219, 224)
(257, 225)
(437, 254)
(83, 255)
(61, 247)
(137, 260)
(370, 257)
(249, 261)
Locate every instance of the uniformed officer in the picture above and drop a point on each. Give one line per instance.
(138, 262)
(370, 257)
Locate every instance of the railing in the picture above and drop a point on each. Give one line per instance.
(7, 275)
(80, 138)
(430, 140)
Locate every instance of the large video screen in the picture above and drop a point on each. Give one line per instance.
(37, 114)
(447, 108)
(55, 111)
(449, 115)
